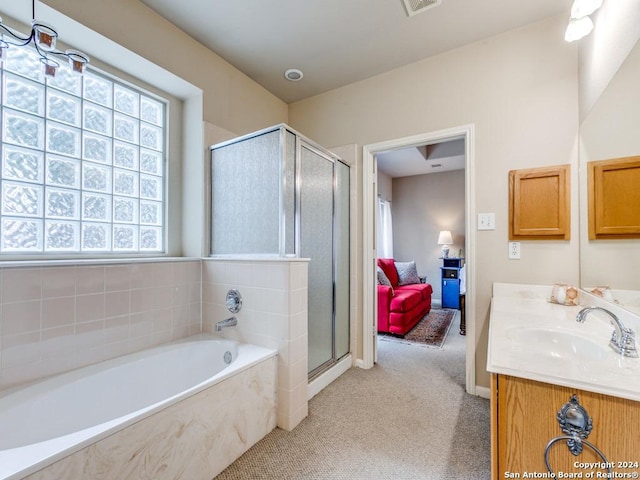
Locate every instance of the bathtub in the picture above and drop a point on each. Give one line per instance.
(181, 410)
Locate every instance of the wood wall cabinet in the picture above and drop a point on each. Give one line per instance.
(523, 421)
(614, 198)
(539, 204)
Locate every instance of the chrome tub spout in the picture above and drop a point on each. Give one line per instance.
(229, 322)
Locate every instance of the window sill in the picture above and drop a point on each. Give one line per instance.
(92, 261)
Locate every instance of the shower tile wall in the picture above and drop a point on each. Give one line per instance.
(273, 315)
(56, 318)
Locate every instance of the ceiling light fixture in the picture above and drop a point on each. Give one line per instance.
(293, 74)
(578, 28)
(580, 24)
(582, 8)
(44, 40)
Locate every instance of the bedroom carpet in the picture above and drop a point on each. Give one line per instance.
(407, 418)
(431, 331)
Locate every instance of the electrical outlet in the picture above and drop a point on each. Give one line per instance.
(486, 221)
(514, 250)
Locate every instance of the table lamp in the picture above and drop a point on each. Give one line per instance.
(445, 240)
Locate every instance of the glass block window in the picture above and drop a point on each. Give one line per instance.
(83, 162)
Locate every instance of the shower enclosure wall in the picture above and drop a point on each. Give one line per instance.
(274, 192)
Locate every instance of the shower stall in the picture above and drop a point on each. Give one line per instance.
(275, 192)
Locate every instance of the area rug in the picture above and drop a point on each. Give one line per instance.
(431, 331)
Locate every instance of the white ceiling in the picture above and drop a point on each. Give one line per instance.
(435, 158)
(338, 42)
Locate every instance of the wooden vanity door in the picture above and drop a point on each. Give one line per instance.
(524, 421)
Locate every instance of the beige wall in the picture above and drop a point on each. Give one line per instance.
(601, 53)
(231, 99)
(422, 206)
(385, 186)
(520, 92)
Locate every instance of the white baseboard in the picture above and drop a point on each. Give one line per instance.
(322, 381)
(483, 392)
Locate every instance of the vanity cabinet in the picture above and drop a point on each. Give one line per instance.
(524, 420)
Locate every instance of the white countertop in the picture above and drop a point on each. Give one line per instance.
(531, 338)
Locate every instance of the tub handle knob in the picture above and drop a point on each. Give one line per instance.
(233, 301)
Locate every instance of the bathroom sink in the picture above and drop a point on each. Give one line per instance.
(559, 344)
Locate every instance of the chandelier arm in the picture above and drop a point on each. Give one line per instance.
(17, 39)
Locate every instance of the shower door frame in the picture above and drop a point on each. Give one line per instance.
(303, 142)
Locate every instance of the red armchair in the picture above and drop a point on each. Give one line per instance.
(400, 307)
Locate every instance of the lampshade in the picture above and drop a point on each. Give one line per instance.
(445, 238)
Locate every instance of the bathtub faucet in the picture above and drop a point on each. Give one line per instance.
(229, 322)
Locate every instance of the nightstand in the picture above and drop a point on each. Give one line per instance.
(450, 281)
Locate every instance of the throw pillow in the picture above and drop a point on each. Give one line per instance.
(383, 280)
(407, 273)
(388, 266)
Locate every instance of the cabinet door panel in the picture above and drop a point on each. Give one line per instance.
(526, 422)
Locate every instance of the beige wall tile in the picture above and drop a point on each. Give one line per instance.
(58, 312)
(141, 275)
(21, 317)
(20, 349)
(21, 284)
(58, 282)
(116, 303)
(117, 278)
(89, 307)
(89, 280)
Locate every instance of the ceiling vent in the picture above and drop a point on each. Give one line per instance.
(415, 7)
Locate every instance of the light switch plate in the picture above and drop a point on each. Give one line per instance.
(486, 221)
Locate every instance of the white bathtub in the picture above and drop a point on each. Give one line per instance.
(88, 423)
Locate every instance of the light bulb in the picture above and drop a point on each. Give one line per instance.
(578, 28)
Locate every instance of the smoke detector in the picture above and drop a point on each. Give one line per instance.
(415, 7)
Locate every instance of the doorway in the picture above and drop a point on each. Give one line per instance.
(370, 205)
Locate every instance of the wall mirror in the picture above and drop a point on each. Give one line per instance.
(612, 130)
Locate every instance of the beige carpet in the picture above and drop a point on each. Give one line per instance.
(407, 418)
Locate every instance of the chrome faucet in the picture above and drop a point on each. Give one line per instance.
(623, 340)
(229, 322)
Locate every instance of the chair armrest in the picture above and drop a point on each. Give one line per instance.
(385, 292)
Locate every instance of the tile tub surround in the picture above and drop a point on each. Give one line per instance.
(273, 315)
(59, 316)
(194, 439)
(168, 299)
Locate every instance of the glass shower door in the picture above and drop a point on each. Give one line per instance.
(316, 243)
